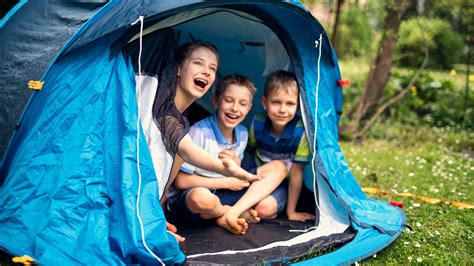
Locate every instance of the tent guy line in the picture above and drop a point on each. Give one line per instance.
(142, 229)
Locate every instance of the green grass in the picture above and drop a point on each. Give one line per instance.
(434, 163)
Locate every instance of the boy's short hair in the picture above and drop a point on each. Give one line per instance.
(279, 79)
(234, 79)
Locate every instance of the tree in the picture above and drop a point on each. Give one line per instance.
(336, 22)
(380, 70)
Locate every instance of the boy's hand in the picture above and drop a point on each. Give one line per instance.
(235, 170)
(300, 216)
(236, 184)
(230, 154)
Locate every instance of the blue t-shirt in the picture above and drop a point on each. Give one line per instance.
(292, 146)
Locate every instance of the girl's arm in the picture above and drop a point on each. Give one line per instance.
(197, 156)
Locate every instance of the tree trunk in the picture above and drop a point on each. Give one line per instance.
(380, 71)
(336, 22)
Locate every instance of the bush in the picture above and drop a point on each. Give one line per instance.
(431, 101)
(445, 46)
(354, 33)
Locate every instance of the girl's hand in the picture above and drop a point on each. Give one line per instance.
(172, 230)
(229, 154)
(235, 170)
(236, 184)
(300, 216)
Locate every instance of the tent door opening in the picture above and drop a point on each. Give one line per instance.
(249, 47)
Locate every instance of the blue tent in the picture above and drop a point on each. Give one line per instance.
(80, 179)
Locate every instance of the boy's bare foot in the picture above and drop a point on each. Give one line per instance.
(233, 224)
(251, 216)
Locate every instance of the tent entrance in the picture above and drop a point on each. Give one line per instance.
(249, 46)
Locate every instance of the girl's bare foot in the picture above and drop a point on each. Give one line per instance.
(251, 216)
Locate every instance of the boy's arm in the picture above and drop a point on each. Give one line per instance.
(185, 181)
(294, 190)
(197, 156)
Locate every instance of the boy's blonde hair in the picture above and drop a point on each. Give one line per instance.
(234, 79)
(278, 80)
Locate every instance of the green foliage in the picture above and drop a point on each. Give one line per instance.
(355, 70)
(377, 11)
(429, 162)
(308, 2)
(460, 13)
(445, 46)
(431, 101)
(354, 33)
(436, 100)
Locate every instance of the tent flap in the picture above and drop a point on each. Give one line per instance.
(75, 200)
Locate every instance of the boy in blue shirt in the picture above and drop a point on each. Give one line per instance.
(199, 194)
(279, 135)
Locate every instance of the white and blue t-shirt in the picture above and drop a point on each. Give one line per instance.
(207, 134)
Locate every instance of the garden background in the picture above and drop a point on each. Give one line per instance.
(407, 126)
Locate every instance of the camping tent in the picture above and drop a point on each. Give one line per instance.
(32, 33)
(81, 179)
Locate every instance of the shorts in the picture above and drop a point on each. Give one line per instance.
(180, 211)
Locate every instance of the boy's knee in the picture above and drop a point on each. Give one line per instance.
(280, 166)
(200, 199)
(277, 167)
(267, 208)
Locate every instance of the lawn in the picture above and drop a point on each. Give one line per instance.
(437, 163)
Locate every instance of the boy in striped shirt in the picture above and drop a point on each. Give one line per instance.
(279, 134)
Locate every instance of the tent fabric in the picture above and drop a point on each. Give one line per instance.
(366, 243)
(32, 33)
(162, 124)
(74, 200)
(70, 179)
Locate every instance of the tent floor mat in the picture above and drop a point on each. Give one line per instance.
(210, 238)
(207, 237)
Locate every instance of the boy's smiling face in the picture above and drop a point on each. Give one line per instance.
(232, 107)
(281, 105)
